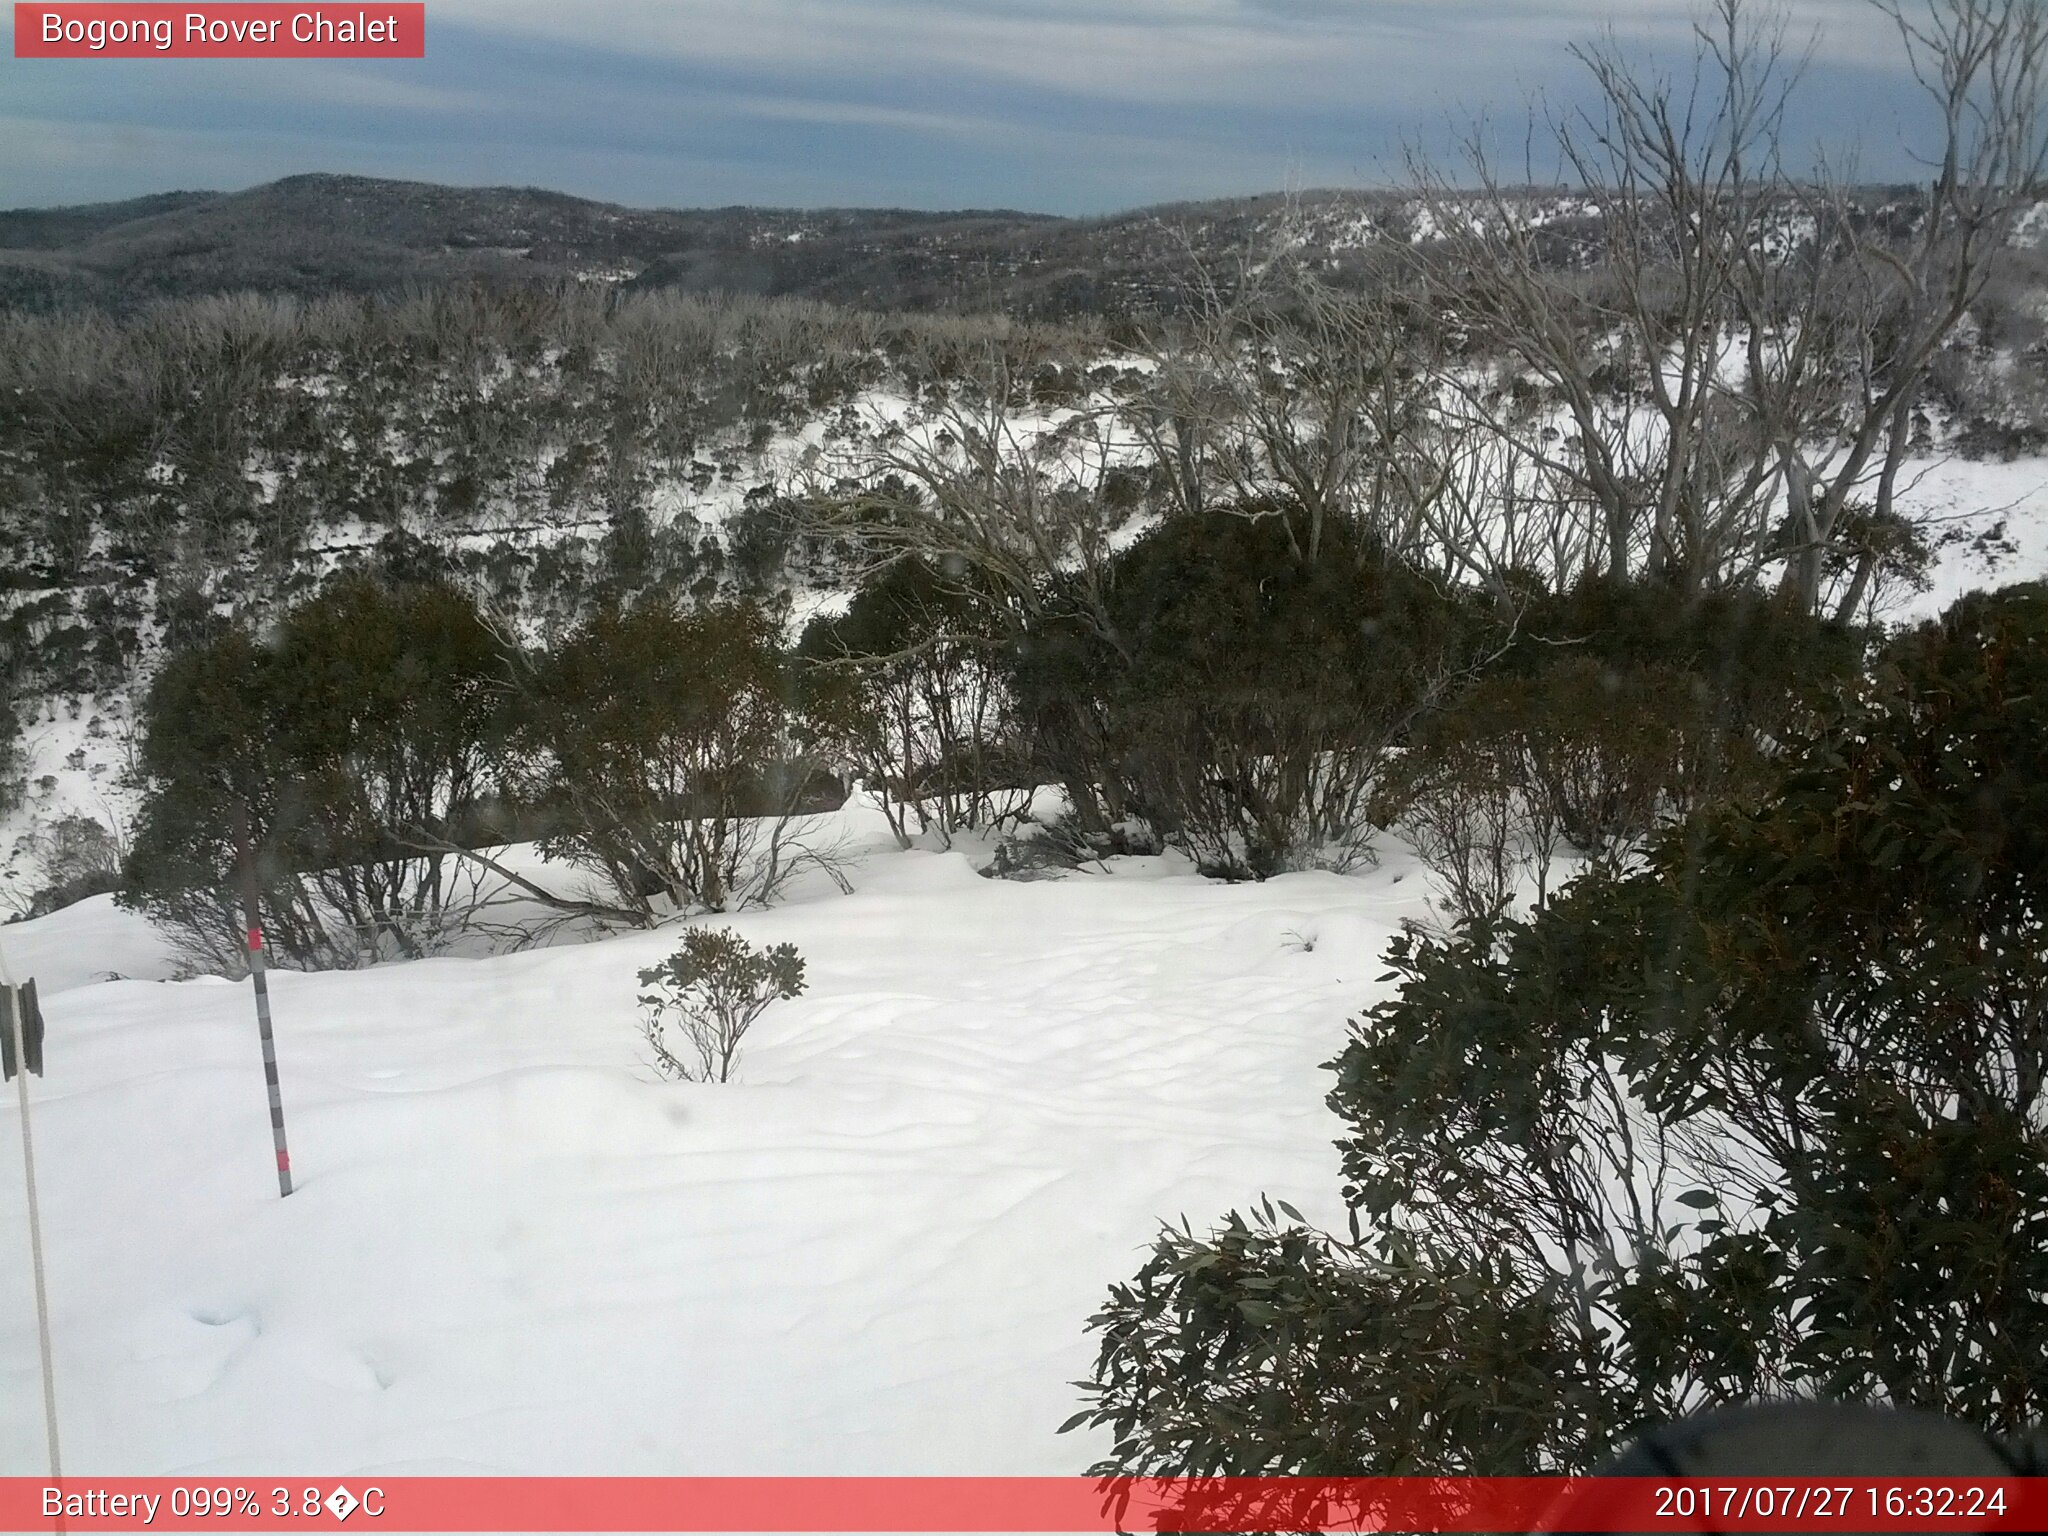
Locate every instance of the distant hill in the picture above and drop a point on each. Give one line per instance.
(322, 234)
(353, 234)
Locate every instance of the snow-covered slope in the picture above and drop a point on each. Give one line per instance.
(514, 1249)
(1989, 522)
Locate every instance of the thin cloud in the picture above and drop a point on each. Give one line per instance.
(1079, 106)
(1139, 50)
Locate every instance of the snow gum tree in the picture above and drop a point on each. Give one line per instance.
(1732, 353)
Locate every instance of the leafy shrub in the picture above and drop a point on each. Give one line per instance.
(1767, 1116)
(761, 539)
(1625, 705)
(75, 857)
(13, 761)
(711, 990)
(1607, 750)
(1756, 666)
(667, 749)
(352, 751)
(1247, 691)
(1491, 788)
(392, 713)
(1461, 794)
(211, 762)
(911, 683)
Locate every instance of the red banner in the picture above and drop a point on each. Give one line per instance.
(99, 31)
(1021, 1504)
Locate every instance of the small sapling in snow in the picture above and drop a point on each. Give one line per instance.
(710, 991)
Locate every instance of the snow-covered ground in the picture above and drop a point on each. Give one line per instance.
(1996, 514)
(514, 1249)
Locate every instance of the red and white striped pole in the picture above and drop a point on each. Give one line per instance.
(253, 926)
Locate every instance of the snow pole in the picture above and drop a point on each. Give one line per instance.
(17, 1035)
(253, 930)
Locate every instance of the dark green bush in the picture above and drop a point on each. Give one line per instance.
(354, 748)
(1766, 1116)
(1244, 694)
(668, 749)
(911, 680)
(75, 857)
(1619, 706)
(1759, 664)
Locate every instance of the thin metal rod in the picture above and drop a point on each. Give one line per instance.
(35, 1220)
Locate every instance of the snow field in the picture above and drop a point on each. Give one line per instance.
(514, 1249)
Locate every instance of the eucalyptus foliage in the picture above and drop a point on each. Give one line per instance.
(1767, 1114)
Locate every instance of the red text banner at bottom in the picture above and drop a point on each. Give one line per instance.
(1020, 1504)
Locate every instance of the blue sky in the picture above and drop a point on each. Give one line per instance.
(1054, 105)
